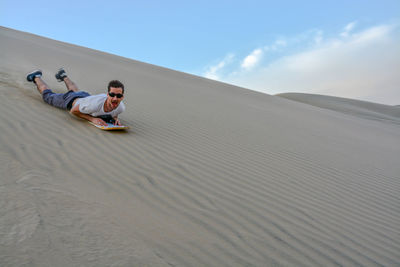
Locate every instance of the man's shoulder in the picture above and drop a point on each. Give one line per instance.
(99, 96)
(96, 98)
(121, 106)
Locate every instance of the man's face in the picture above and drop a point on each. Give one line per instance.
(115, 96)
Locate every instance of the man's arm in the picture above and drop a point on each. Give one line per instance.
(75, 111)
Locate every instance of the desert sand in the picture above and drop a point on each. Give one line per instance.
(208, 175)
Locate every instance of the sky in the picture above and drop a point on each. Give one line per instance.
(341, 48)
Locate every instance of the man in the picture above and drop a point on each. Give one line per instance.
(98, 109)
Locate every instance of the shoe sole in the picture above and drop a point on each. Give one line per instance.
(31, 73)
(59, 80)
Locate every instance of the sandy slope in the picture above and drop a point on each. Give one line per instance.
(354, 107)
(209, 175)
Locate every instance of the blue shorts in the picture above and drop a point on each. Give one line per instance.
(63, 101)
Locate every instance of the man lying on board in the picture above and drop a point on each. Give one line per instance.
(98, 109)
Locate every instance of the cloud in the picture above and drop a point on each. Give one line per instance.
(318, 38)
(251, 60)
(212, 71)
(348, 28)
(276, 45)
(362, 65)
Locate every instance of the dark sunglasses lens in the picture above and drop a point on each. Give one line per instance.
(117, 95)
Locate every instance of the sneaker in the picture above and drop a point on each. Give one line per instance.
(32, 75)
(61, 74)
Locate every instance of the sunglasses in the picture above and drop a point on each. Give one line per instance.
(117, 95)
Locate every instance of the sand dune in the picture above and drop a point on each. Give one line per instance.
(209, 175)
(353, 107)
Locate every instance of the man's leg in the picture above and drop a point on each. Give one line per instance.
(70, 84)
(56, 100)
(61, 76)
(40, 84)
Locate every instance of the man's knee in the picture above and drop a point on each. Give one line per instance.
(47, 96)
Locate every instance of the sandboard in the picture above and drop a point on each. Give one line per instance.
(110, 127)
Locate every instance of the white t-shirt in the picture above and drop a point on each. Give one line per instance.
(94, 106)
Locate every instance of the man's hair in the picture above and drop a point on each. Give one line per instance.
(115, 84)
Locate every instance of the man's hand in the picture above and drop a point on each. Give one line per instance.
(117, 122)
(98, 121)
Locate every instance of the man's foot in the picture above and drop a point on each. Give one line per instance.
(61, 74)
(32, 75)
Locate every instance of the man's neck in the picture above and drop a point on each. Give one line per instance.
(107, 107)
